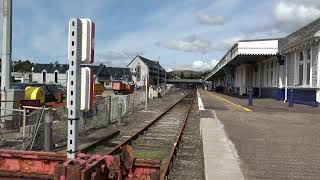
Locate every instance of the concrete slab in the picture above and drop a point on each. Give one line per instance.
(220, 160)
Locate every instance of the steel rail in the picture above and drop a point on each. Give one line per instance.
(165, 170)
(117, 149)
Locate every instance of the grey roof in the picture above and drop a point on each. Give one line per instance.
(101, 69)
(301, 36)
(150, 63)
(62, 68)
(119, 72)
(50, 68)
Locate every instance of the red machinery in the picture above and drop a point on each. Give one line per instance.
(49, 165)
(119, 87)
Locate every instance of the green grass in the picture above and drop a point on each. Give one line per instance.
(155, 155)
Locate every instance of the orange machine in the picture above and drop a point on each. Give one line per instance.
(119, 87)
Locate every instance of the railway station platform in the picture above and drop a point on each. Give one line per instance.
(261, 104)
(271, 140)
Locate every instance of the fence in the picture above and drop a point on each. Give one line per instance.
(27, 129)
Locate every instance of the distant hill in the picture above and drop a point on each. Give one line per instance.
(187, 74)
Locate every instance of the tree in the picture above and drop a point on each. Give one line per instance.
(22, 66)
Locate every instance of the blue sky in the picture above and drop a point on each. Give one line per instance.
(186, 34)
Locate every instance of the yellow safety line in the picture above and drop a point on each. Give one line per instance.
(236, 105)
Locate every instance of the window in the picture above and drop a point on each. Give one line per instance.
(308, 73)
(44, 76)
(56, 76)
(308, 54)
(138, 73)
(300, 68)
(308, 68)
(301, 56)
(300, 71)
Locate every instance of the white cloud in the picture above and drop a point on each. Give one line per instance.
(189, 44)
(292, 15)
(203, 65)
(206, 19)
(227, 43)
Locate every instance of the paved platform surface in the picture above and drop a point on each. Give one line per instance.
(272, 140)
(220, 157)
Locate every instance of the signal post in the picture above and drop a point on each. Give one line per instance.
(79, 89)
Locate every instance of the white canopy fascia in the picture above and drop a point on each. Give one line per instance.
(250, 48)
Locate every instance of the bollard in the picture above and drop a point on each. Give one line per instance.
(290, 98)
(48, 130)
(120, 113)
(250, 98)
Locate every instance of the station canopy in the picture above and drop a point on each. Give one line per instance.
(246, 51)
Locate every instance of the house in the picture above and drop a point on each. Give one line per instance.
(273, 68)
(118, 74)
(107, 75)
(57, 74)
(50, 73)
(141, 67)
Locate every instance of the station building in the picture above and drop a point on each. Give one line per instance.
(273, 68)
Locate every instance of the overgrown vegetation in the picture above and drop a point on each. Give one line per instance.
(22, 66)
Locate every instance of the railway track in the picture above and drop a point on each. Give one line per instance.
(157, 140)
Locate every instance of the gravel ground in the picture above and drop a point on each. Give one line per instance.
(131, 123)
(188, 164)
(272, 144)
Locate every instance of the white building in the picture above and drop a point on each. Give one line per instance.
(57, 74)
(301, 51)
(273, 68)
(50, 73)
(141, 67)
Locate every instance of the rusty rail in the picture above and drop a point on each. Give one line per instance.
(173, 151)
(117, 148)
